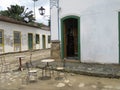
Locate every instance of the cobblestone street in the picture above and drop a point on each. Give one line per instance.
(16, 81)
(77, 76)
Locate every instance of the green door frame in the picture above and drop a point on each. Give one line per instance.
(62, 35)
(119, 34)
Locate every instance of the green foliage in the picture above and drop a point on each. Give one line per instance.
(40, 24)
(19, 13)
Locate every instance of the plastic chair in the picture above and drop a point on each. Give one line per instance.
(61, 68)
(31, 73)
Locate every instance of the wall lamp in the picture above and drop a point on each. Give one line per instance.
(41, 10)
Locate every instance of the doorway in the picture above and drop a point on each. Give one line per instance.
(70, 38)
(43, 41)
(30, 41)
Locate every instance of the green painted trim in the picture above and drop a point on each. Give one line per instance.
(62, 35)
(119, 34)
(79, 49)
(32, 42)
(2, 44)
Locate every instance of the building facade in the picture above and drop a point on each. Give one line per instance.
(16, 36)
(86, 30)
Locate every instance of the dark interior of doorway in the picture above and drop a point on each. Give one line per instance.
(71, 38)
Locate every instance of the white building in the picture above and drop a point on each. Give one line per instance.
(17, 36)
(86, 30)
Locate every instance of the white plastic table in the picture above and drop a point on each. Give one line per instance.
(47, 61)
(46, 69)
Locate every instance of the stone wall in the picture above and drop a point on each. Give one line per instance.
(55, 50)
(36, 55)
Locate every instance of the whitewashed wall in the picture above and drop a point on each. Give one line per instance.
(54, 24)
(98, 28)
(99, 38)
(9, 28)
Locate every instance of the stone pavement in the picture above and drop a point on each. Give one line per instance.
(15, 80)
(100, 70)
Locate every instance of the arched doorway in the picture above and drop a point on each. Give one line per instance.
(70, 34)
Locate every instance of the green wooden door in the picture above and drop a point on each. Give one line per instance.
(30, 41)
(43, 42)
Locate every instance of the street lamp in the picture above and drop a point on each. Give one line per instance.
(41, 10)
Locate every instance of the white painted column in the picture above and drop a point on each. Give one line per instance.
(54, 20)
